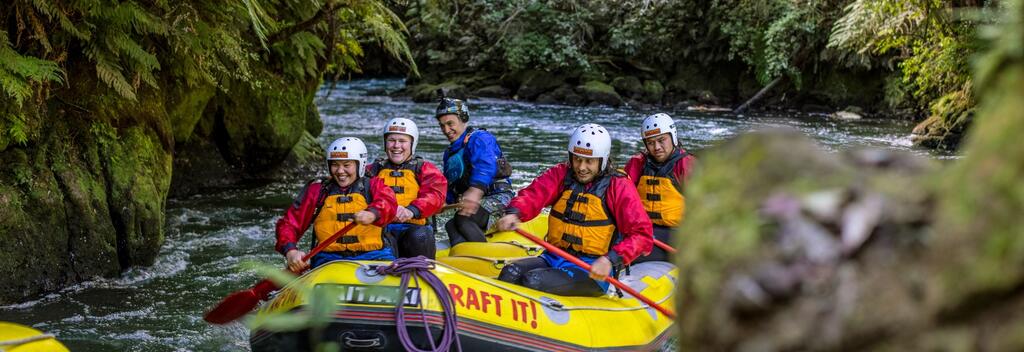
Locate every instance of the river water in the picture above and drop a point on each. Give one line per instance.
(208, 235)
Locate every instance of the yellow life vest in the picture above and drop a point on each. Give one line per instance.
(339, 210)
(580, 219)
(661, 194)
(402, 180)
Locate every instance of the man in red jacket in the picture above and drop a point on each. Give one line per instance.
(596, 215)
(419, 187)
(660, 174)
(331, 204)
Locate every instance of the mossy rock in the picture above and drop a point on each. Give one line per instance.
(256, 127)
(945, 126)
(628, 86)
(600, 93)
(653, 91)
(186, 106)
(536, 83)
(427, 93)
(980, 258)
(747, 241)
(493, 91)
(561, 95)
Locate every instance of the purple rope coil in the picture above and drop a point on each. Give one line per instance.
(421, 268)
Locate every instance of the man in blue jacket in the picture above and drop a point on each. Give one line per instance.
(477, 173)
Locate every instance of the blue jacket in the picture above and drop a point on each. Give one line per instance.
(472, 161)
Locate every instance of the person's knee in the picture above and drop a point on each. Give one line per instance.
(534, 279)
(420, 241)
(511, 273)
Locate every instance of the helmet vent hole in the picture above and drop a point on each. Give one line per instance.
(577, 142)
(588, 144)
(343, 148)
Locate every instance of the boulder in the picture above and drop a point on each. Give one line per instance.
(845, 115)
(945, 126)
(493, 91)
(600, 93)
(561, 95)
(537, 82)
(628, 86)
(653, 91)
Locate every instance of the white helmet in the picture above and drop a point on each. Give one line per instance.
(404, 126)
(659, 124)
(591, 141)
(348, 148)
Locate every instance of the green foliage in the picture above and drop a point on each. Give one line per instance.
(128, 44)
(522, 34)
(929, 44)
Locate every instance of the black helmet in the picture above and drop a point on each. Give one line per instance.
(452, 106)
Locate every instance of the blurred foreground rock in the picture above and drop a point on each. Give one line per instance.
(788, 247)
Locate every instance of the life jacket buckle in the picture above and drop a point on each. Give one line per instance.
(654, 216)
(344, 217)
(653, 181)
(653, 197)
(396, 173)
(344, 199)
(572, 239)
(398, 189)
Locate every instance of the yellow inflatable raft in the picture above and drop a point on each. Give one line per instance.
(501, 248)
(492, 315)
(20, 338)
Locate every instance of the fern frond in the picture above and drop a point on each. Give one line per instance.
(18, 72)
(111, 75)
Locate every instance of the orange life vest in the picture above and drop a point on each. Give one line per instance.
(339, 210)
(661, 193)
(580, 219)
(402, 180)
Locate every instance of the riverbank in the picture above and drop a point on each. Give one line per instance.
(906, 61)
(110, 108)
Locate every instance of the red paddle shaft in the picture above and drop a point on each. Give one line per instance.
(558, 251)
(664, 246)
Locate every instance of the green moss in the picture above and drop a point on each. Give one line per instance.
(982, 253)
(653, 91)
(600, 93)
(186, 107)
(275, 117)
(723, 230)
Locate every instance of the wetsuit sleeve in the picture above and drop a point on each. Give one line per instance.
(483, 155)
(297, 218)
(542, 192)
(384, 203)
(431, 195)
(632, 222)
(635, 167)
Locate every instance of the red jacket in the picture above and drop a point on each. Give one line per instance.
(623, 200)
(682, 169)
(433, 188)
(299, 216)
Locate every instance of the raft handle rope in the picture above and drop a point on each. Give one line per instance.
(24, 340)
(420, 267)
(554, 305)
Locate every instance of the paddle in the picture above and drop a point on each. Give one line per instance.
(664, 246)
(615, 282)
(242, 302)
